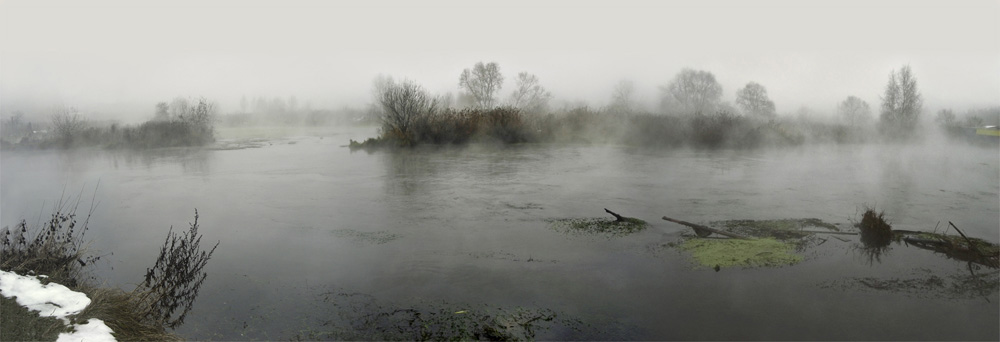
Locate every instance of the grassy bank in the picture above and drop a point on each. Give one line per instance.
(54, 253)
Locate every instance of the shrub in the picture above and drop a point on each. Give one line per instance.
(55, 250)
(654, 130)
(174, 280)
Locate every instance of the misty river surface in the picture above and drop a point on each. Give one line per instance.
(309, 229)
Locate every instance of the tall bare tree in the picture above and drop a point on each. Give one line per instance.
(945, 117)
(178, 107)
(162, 112)
(402, 104)
(622, 101)
(854, 111)
(483, 82)
(529, 95)
(901, 103)
(67, 123)
(692, 92)
(753, 100)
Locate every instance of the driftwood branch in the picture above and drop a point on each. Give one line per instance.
(827, 232)
(704, 231)
(972, 246)
(618, 218)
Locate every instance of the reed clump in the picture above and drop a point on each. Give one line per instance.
(876, 232)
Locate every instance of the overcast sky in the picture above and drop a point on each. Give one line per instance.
(110, 55)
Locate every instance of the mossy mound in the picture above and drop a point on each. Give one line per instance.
(764, 252)
(599, 226)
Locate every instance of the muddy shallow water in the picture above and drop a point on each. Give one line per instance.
(315, 235)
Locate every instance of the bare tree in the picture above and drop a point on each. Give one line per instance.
(483, 81)
(854, 111)
(201, 114)
(901, 103)
(692, 91)
(15, 127)
(945, 117)
(529, 96)
(402, 104)
(753, 100)
(67, 123)
(243, 104)
(178, 107)
(622, 101)
(162, 112)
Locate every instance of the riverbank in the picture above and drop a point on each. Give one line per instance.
(49, 294)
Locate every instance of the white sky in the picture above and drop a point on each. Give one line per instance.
(109, 55)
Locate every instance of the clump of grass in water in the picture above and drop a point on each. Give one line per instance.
(876, 234)
(442, 322)
(766, 252)
(875, 231)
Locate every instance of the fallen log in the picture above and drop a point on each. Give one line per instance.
(704, 231)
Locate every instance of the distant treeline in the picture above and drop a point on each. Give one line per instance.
(691, 114)
(182, 124)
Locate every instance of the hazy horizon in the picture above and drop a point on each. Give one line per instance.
(119, 58)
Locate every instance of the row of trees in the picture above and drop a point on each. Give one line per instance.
(690, 92)
(482, 83)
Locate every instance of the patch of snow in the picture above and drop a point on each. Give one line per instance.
(54, 300)
(50, 300)
(93, 331)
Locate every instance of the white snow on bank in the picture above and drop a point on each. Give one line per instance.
(54, 300)
(50, 300)
(92, 331)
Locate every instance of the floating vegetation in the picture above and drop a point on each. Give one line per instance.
(506, 256)
(360, 316)
(752, 243)
(373, 238)
(599, 226)
(525, 206)
(956, 247)
(719, 253)
(781, 229)
(240, 144)
(983, 284)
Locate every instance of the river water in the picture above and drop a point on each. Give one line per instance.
(312, 233)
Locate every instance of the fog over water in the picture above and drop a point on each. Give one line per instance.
(116, 59)
(473, 215)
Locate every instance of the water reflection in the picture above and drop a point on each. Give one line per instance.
(406, 173)
(190, 160)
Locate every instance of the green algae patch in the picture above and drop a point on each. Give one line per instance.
(599, 226)
(766, 252)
